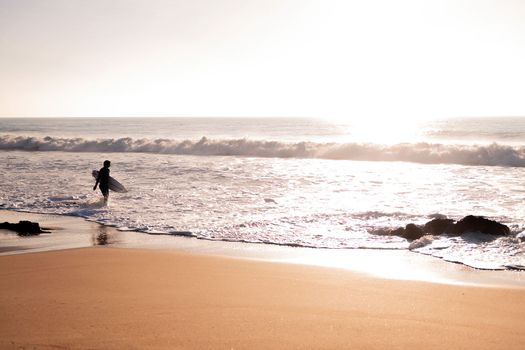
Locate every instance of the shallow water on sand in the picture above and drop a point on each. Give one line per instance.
(71, 232)
(296, 202)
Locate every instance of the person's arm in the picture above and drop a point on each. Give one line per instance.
(96, 183)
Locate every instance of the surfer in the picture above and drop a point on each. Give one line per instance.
(103, 179)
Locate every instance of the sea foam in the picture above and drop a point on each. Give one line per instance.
(427, 153)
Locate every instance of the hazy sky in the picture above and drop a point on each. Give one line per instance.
(322, 58)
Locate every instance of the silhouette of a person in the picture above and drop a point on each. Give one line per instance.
(103, 180)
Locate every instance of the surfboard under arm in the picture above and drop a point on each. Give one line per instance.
(114, 185)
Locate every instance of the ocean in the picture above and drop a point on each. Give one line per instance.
(285, 181)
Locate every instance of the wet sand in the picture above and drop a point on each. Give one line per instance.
(110, 298)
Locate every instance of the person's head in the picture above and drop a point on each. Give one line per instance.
(107, 163)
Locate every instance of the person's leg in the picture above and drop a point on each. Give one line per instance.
(105, 193)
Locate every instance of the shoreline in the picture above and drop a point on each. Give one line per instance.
(70, 232)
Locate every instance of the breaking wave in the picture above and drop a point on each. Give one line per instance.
(428, 153)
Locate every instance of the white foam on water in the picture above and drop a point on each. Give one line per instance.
(296, 202)
(423, 152)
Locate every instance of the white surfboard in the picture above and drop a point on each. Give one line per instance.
(114, 185)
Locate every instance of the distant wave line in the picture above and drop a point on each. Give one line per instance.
(427, 153)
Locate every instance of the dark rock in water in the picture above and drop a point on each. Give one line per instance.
(409, 232)
(442, 225)
(398, 232)
(438, 226)
(473, 223)
(23, 228)
(413, 232)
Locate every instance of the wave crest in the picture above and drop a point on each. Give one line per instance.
(428, 153)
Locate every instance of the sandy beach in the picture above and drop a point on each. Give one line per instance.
(260, 174)
(110, 298)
